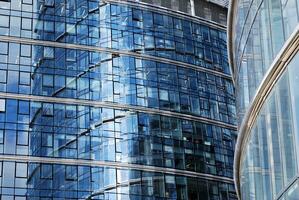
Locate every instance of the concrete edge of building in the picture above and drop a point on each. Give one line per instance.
(230, 35)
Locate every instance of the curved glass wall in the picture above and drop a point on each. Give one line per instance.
(121, 27)
(106, 100)
(95, 76)
(57, 130)
(270, 162)
(260, 30)
(266, 161)
(45, 130)
(58, 181)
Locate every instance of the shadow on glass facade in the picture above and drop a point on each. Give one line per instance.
(103, 100)
(264, 42)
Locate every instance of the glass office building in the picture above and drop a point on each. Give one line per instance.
(115, 100)
(263, 45)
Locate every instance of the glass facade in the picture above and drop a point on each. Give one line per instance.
(263, 34)
(270, 162)
(107, 100)
(261, 29)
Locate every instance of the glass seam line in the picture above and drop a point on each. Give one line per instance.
(238, 65)
(231, 32)
(112, 51)
(168, 11)
(278, 66)
(246, 20)
(117, 165)
(115, 106)
(286, 188)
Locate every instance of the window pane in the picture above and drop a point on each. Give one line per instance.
(21, 170)
(4, 21)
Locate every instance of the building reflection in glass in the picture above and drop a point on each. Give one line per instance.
(113, 101)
